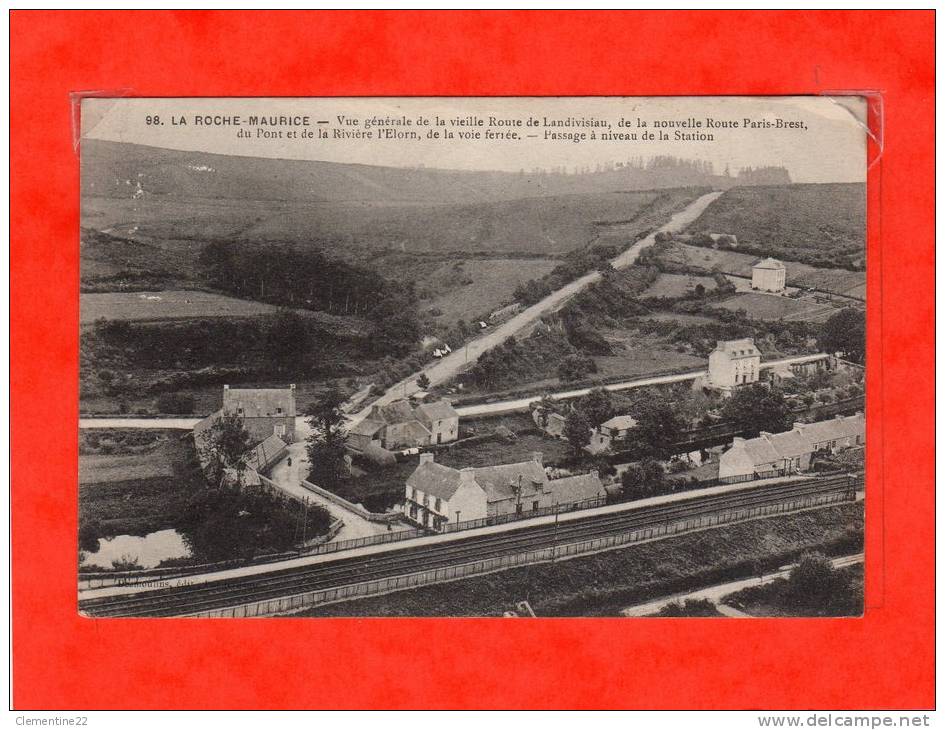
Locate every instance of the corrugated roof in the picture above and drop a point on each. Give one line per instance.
(768, 263)
(437, 410)
(265, 453)
(577, 488)
(260, 402)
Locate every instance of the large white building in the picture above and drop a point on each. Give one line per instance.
(768, 275)
(734, 362)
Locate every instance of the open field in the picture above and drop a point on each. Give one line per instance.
(822, 224)
(166, 305)
(677, 285)
(837, 281)
(102, 469)
(768, 306)
(602, 584)
(475, 287)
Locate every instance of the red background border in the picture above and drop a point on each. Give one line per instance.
(63, 661)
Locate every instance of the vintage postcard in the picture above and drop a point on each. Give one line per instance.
(596, 356)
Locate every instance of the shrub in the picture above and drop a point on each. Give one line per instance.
(174, 403)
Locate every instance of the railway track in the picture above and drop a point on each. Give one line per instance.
(401, 561)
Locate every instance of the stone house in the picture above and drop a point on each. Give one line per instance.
(265, 411)
(401, 425)
(733, 363)
(613, 429)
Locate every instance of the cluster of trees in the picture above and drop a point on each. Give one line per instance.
(326, 442)
(845, 332)
(307, 279)
(756, 408)
(514, 361)
(575, 264)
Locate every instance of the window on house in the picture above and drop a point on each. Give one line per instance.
(279, 411)
(518, 508)
(439, 505)
(239, 411)
(535, 505)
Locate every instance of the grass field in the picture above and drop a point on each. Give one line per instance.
(767, 306)
(603, 584)
(475, 287)
(677, 285)
(135, 493)
(823, 225)
(165, 305)
(837, 281)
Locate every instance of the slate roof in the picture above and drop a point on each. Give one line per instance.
(435, 479)
(833, 428)
(577, 488)
(437, 410)
(789, 444)
(620, 423)
(499, 480)
(738, 348)
(260, 402)
(367, 427)
(768, 263)
(400, 411)
(760, 451)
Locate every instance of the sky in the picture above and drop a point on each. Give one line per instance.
(830, 148)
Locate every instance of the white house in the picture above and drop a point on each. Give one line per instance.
(734, 362)
(438, 494)
(768, 275)
(790, 451)
(615, 428)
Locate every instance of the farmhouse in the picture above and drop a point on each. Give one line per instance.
(734, 362)
(436, 495)
(402, 424)
(265, 411)
(613, 429)
(790, 451)
(768, 275)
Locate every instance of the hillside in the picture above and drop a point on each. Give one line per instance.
(822, 225)
(128, 171)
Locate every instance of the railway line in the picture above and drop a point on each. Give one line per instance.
(409, 559)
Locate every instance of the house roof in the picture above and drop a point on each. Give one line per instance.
(435, 479)
(260, 402)
(738, 348)
(400, 411)
(620, 423)
(833, 428)
(437, 410)
(265, 453)
(789, 444)
(499, 481)
(760, 450)
(367, 427)
(577, 488)
(768, 263)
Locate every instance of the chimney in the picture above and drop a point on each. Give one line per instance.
(595, 474)
(538, 457)
(226, 387)
(292, 386)
(426, 457)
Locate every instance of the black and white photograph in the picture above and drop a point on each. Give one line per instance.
(511, 357)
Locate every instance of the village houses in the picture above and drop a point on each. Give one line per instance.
(734, 362)
(768, 275)
(437, 494)
(788, 452)
(401, 425)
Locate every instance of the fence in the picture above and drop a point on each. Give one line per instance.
(356, 509)
(289, 604)
(516, 516)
